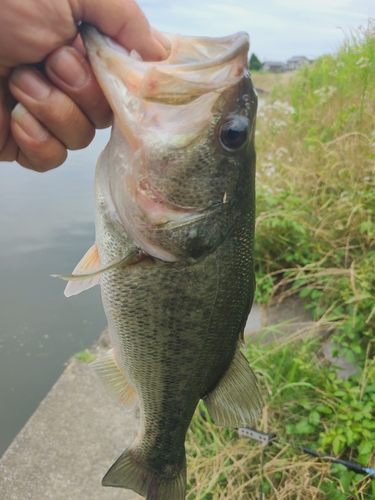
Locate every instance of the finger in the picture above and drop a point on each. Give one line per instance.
(161, 39)
(51, 107)
(124, 21)
(72, 74)
(8, 147)
(79, 45)
(38, 149)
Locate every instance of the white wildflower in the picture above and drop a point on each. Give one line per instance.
(362, 62)
(281, 151)
(325, 93)
(277, 123)
(270, 171)
(282, 106)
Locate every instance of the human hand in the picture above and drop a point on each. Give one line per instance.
(60, 103)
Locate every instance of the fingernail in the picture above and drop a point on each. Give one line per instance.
(30, 83)
(162, 39)
(69, 69)
(28, 123)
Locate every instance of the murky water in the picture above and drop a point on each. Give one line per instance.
(46, 225)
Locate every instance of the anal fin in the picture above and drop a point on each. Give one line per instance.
(114, 381)
(236, 401)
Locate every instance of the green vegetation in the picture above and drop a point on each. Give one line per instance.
(254, 63)
(85, 356)
(315, 239)
(316, 193)
(305, 404)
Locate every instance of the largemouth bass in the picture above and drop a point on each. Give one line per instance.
(175, 205)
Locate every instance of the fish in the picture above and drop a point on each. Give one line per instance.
(174, 246)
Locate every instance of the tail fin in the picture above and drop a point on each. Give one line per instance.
(127, 473)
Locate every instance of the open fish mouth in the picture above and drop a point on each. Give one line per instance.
(161, 109)
(195, 66)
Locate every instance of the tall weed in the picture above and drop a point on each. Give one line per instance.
(316, 191)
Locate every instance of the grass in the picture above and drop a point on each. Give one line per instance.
(85, 356)
(314, 239)
(305, 404)
(265, 81)
(316, 192)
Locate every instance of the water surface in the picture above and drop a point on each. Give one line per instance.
(46, 226)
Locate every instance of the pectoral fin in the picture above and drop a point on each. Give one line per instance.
(88, 265)
(236, 401)
(114, 381)
(87, 272)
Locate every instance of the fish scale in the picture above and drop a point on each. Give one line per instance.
(175, 214)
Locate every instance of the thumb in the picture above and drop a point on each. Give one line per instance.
(125, 21)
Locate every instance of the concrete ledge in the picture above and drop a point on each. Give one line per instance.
(69, 443)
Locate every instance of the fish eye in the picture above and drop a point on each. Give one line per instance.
(233, 133)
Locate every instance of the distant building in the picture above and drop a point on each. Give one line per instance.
(297, 62)
(274, 66)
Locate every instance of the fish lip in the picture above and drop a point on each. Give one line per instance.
(233, 45)
(130, 85)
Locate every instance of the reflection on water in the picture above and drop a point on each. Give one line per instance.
(46, 225)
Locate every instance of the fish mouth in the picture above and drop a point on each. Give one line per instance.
(195, 66)
(169, 102)
(167, 96)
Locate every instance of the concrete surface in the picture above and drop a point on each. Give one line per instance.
(69, 443)
(254, 321)
(281, 320)
(344, 367)
(288, 320)
(77, 432)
